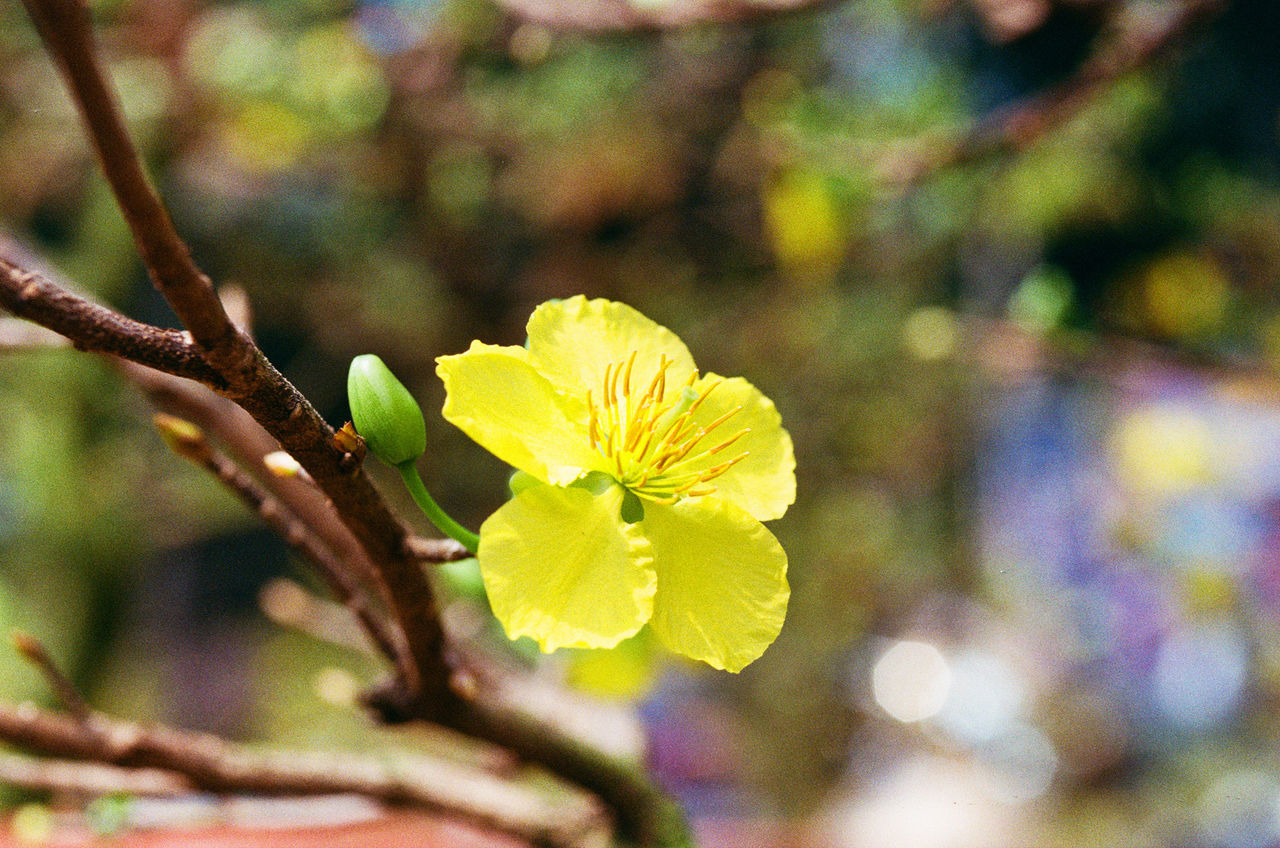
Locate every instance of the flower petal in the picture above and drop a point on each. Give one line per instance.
(497, 398)
(571, 342)
(722, 581)
(560, 566)
(764, 481)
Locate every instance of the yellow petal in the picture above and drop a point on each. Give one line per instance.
(764, 481)
(497, 398)
(722, 581)
(561, 567)
(572, 342)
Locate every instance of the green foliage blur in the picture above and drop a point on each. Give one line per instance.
(401, 176)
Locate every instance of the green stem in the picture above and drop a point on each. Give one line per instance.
(452, 529)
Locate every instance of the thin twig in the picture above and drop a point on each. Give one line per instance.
(249, 444)
(435, 550)
(288, 604)
(33, 651)
(188, 441)
(88, 778)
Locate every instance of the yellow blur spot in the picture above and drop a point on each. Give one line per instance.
(803, 223)
(1160, 450)
(1210, 591)
(624, 672)
(266, 136)
(930, 333)
(1184, 295)
(336, 686)
(32, 824)
(338, 78)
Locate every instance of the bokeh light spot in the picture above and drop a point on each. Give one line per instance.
(336, 686)
(1042, 300)
(1020, 762)
(1200, 674)
(230, 50)
(984, 700)
(911, 680)
(1239, 810)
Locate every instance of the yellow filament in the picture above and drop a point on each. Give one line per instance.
(626, 382)
(649, 436)
(593, 428)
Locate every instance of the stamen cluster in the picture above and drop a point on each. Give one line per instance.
(657, 449)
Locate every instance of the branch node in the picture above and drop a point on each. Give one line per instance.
(183, 438)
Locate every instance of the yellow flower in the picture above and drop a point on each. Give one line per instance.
(653, 482)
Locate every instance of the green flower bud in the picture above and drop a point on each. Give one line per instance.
(385, 414)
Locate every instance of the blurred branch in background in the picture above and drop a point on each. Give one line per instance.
(1139, 35)
(16, 335)
(619, 16)
(188, 441)
(205, 762)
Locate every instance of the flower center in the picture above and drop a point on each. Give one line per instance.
(657, 449)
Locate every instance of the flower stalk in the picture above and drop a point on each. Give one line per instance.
(443, 522)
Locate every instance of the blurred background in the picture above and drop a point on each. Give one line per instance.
(1007, 267)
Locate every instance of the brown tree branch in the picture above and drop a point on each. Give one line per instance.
(250, 379)
(188, 441)
(210, 763)
(1140, 39)
(67, 31)
(615, 16)
(96, 329)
